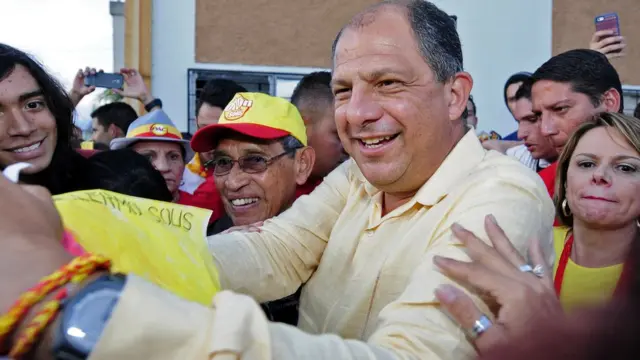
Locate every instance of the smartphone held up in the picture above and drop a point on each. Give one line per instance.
(609, 22)
(105, 80)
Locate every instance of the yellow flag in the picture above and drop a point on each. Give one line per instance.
(161, 242)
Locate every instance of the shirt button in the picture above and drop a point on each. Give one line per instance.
(369, 232)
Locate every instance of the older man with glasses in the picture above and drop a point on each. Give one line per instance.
(260, 156)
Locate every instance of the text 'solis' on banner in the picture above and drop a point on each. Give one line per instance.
(161, 242)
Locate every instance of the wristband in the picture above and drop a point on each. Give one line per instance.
(153, 103)
(74, 272)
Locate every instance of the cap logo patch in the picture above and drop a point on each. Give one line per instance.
(159, 129)
(237, 108)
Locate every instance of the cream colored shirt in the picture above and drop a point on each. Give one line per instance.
(369, 280)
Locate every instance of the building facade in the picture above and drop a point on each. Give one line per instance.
(269, 45)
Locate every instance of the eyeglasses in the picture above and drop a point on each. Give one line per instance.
(251, 164)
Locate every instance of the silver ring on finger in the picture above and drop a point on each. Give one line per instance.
(480, 326)
(538, 271)
(526, 268)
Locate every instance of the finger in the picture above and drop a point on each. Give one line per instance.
(538, 258)
(118, 91)
(612, 48)
(610, 40)
(600, 34)
(479, 277)
(480, 252)
(459, 305)
(501, 242)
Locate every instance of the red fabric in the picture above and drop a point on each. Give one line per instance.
(206, 196)
(204, 139)
(548, 175)
(70, 244)
(86, 153)
(307, 187)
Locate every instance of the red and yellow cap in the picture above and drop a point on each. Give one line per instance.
(256, 115)
(154, 126)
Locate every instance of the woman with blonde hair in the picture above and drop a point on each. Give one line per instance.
(598, 202)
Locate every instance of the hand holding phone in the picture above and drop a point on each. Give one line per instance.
(607, 38)
(105, 80)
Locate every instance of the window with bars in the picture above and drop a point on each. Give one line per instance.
(631, 96)
(275, 84)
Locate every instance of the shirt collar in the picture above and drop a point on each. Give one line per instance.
(467, 153)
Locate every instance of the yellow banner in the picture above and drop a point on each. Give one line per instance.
(161, 242)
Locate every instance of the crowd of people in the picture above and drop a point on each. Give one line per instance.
(364, 218)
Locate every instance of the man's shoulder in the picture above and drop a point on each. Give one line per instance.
(502, 170)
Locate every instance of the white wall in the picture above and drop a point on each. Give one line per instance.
(499, 38)
(117, 14)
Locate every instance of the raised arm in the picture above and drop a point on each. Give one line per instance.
(274, 262)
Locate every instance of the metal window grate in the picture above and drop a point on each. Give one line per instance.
(631, 96)
(253, 81)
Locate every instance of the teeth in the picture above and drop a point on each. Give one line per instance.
(28, 148)
(375, 142)
(246, 201)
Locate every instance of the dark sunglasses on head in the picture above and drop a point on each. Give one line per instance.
(251, 164)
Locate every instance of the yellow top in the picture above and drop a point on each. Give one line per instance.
(581, 285)
(369, 277)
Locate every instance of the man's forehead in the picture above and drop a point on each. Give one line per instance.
(380, 31)
(246, 144)
(547, 92)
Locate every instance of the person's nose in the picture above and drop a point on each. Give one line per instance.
(601, 175)
(161, 164)
(20, 125)
(522, 132)
(548, 125)
(362, 107)
(236, 179)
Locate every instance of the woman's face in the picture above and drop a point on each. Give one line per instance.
(603, 180)
(28, 131)
(167, 158)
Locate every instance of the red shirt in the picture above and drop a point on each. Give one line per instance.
(308, 187)
(206, 196)
(548, 176)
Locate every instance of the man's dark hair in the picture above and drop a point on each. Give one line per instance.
(218, 92)
(117, 113)
(475, 108)
(313, 96)
(524, 91)
(290, 144)
(124, 171)
(587, 71)
(434, 30)
(519, 77)
(66, 164)
(636, 112)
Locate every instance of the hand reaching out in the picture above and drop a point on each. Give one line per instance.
(135, 86)
(518, 296)
(605, 42)
(79, 90)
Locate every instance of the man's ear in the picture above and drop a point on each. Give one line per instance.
(305, 160)
(114, 131)
(460, 88)
(611, 100)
